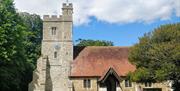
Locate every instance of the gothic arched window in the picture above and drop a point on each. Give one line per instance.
(55, 54)
(53, 30)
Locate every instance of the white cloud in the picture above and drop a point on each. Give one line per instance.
(111, 11)
(177, 7)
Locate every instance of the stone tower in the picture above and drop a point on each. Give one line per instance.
(53, 67)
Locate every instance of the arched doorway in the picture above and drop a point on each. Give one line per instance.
(111, 83)
(110, 80)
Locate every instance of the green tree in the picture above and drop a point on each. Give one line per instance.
(33, 25)
(157, 55)
(82, 42)
(12, 58)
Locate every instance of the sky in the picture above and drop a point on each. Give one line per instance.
(119, 21)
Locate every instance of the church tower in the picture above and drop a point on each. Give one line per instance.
(53, 68)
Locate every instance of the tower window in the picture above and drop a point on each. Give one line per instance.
(53, 30)
(148, 84)
(87, 83)
(55, 54)
(128, 83)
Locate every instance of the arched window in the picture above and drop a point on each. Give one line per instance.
(53, 30)
(55, 54)
(87, 83)
(148, 84)
(128, 83)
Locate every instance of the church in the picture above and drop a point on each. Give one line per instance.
(64, 67)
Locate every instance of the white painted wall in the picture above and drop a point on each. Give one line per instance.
(102, 89)
(105, 89)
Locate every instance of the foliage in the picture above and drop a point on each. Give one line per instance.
(12, 58)
(20, 38)
(157, 55)
(83, 42)
(33, 25)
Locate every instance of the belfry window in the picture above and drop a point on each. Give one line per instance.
(128, 83)
(87, 83)
(148, 84)
(53, 30)
(55, 54)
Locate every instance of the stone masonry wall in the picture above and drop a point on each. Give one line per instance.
(58, 48)
(78, 85)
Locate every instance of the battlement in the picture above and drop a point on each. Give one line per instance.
(67, 6)
(52, 18)
(66, 14)
(55, 18)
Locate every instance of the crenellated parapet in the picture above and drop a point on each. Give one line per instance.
(67, 9)
(55, 18)
(67, 6)
(52, 18)
(66, 16)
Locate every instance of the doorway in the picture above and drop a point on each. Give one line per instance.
(111, 83)
(152, 89)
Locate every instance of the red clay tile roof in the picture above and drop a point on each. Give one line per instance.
(95, 61)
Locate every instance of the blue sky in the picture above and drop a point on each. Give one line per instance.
(119, 21)
(119, 34)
